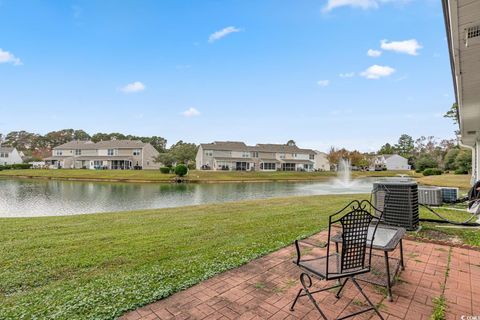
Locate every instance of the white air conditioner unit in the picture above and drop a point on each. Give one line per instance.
(431, 196)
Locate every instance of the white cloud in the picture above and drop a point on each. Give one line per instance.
(217, 35)
(191, 112)
(347, 75)
(7, 57)
(377, 72)
(133, 87)
(374, 53)
(361, 4)
(323, 83)
(407, 46)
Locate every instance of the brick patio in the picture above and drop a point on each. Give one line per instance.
(265, 288)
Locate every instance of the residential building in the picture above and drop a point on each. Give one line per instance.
(390, 162)
(321, 161)
(9, 155)
(234, 155)
(462, 21)
(113, 154)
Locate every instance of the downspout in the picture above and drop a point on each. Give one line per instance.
(473, 179)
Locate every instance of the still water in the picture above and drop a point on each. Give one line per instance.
(32, 198)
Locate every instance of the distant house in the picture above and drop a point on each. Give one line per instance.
(390, 162)
(235, 155)
(113, 154)
(321, 161)
(9, 155)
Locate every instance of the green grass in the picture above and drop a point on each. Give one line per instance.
(461, 181)
(101, 265)
(193, 176)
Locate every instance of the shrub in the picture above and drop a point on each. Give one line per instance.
(432, 172)
(165, 170)
(191, 166)
(181, 170)
(460, 171)
(7, 167)
(21, 166)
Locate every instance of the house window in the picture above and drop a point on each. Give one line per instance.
(294, 155)
(246, 155)
(282, 155)
(255, 154)
(268, 166)
(136, 152)
(311, 157)
(3, 155)
(208, 153)
(58, 152)
(112, 152)
(78, 152)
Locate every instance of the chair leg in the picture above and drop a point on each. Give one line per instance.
(341, 288)
(306, 285)
(366, 298)
(296, 298)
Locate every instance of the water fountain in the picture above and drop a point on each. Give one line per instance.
(344, 175)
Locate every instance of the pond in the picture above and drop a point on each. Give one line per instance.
(32, 198)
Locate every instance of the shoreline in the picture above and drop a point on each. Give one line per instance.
(194, 180)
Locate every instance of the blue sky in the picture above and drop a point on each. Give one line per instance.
(257, 71)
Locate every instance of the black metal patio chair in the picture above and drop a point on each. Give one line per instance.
(354, 257)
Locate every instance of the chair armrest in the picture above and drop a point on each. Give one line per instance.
(308, 243)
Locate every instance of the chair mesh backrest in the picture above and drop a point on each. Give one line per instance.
(354, 241)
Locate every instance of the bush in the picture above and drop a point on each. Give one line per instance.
(181, 170)
(432, 172)
(21, 166)
(460, 171)
(165, 169)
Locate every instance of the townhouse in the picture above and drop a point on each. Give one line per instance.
(113, 155)
(234, 155)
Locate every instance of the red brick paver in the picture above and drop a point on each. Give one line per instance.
(266, 287)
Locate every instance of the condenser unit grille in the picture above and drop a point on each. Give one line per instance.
(449, 195)
(399, 201)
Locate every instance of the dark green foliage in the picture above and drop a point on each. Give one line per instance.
(181, 170)
(425, 161)
(16, 166)
(463, 161)
(432, 172)
(165, 169)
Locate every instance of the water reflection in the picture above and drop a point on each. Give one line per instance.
(26, 198)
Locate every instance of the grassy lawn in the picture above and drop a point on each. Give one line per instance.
(100, 265)
(194, 175)
(461, 181)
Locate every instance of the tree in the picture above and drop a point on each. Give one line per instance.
(463, 161)
(183, 152)
(449, 159)
(452, 113)
(405, 145)
(387, 148)
(425, 161)
(166, 159)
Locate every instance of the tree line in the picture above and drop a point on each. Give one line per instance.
(37, 146)
(422, 153)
